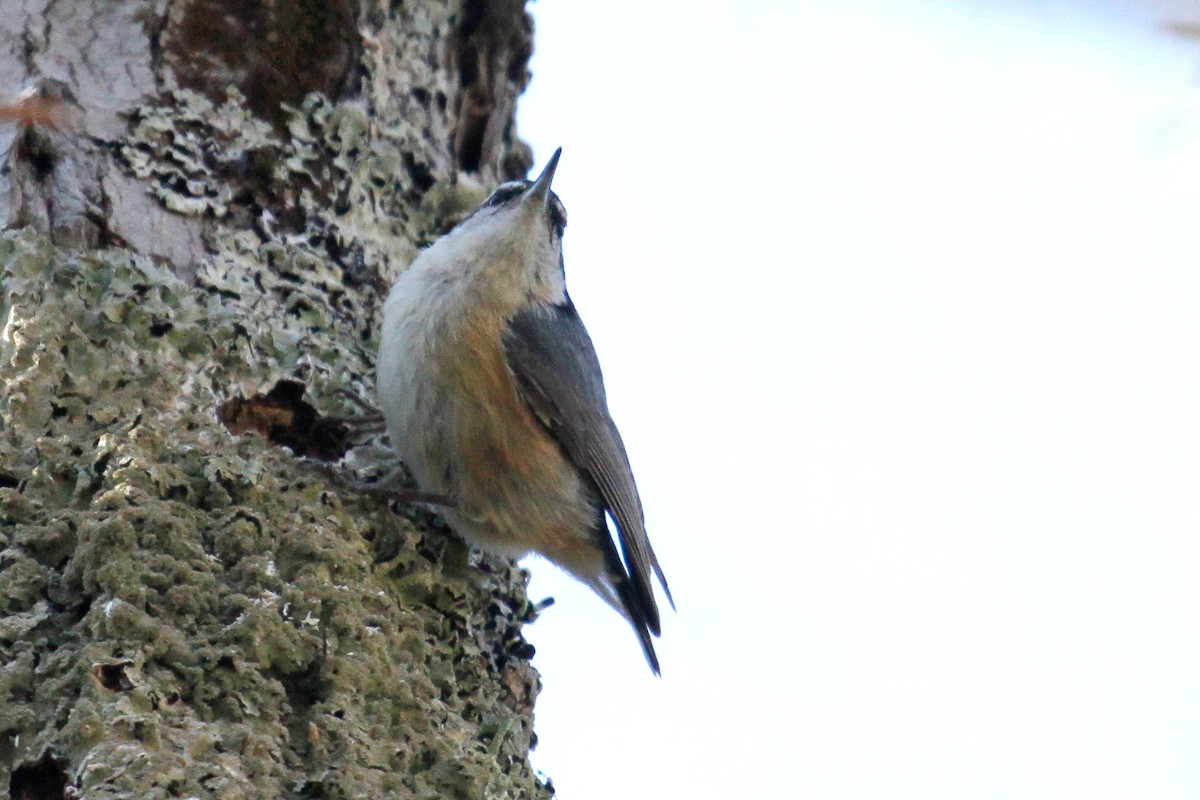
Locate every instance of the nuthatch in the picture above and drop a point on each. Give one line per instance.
(493, 397)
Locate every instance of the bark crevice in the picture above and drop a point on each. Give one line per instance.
(186, 609)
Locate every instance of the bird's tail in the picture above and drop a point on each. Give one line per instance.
(619, 592)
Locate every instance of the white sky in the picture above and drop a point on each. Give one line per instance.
(899, 309)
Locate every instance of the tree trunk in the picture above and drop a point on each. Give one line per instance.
(203, 204)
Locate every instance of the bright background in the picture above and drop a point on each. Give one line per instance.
(899, 309)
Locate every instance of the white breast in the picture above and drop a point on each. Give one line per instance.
(451, 404)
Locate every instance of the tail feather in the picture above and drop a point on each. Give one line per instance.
(634, 602)
(618, 592)
(636, 615)
(600, 567)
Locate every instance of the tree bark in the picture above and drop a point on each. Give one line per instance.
(203, 204)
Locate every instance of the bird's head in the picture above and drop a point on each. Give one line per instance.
(518, 233)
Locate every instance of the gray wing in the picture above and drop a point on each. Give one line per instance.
(552, 357)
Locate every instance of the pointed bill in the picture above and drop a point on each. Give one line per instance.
(540, 191)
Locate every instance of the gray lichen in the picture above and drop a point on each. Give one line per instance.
(169, 588)
(187, 612)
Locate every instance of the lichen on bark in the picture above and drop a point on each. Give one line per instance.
(189, 612)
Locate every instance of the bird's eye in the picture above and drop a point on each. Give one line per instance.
(558, 215)
(504, 193)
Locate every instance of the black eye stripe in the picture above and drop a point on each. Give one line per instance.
(513, 189)
(558, 215)
(505, 192)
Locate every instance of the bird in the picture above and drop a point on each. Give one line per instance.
(493, 398)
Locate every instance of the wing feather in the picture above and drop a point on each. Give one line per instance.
(552, 357)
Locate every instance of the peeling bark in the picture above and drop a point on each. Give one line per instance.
(210, 202)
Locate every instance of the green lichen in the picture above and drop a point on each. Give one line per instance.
(184, 612)
(168, 588)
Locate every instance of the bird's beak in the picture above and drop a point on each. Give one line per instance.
(540, 191)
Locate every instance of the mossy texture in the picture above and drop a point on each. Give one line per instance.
(189, 613)
(169, 588)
